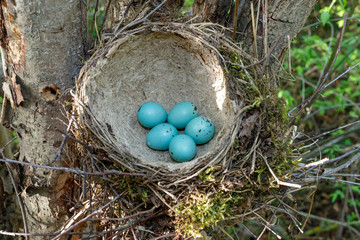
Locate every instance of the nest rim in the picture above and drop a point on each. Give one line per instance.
(188, 170)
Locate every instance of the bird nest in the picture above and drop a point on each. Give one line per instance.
(169, 63)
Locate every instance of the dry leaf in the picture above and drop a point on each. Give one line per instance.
(12, 91)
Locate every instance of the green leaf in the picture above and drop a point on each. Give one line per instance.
(338, 193)
(324, 17)
(353, 114)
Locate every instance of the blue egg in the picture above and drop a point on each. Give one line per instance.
(160, 136)
(182, 148)
(182, 113)
(151, 114)
(201, 129)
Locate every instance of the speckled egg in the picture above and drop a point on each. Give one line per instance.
(160, 136)
(182, 148)
(182, 113)
(201, 129)
(151, 114)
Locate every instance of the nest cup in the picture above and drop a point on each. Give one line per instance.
(166, 66)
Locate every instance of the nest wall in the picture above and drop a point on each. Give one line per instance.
(170, 63)
(156, 65)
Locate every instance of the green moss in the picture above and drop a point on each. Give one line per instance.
(199, 211)
(207, 175)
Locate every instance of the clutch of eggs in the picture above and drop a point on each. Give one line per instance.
(165, 136)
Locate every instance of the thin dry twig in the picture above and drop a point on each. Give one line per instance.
(294, 185)
(345, 165)
(268, 56)
(76, 171)
(326, 133)
(143, 19)
(254, 29)
(266, 226)
(58, 154)
(13, 182)
(87, 217)
(235, 19)
(93, 24)
(307, 101)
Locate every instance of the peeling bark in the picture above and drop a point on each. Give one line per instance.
(45, 44)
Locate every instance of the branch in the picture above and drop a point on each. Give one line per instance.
(318, 89)
(87, 217)
(325, 133)
(75, 171)
(345, 165)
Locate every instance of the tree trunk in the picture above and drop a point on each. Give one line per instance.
(284, 17)
(44, 42)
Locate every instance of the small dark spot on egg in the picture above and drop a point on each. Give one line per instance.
(209, 131)
(170, 129)
(172, 153)
(167, 131)
(197, 136)
(200, 130)
(173, 135)
(210, 124)
(195, 108)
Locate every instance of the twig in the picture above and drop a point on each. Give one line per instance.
(309, 212)
(265, 26)
(227, 234)
(307, 101)
(327, 161)
(87, 217)
(276, 179)
(327, 53)
(235, 19)
(5, 71)
(143, 19)
(127, 217)
(348, 70)
(268, 56)
(326, 133)
(295, 221)
(7, 144)
(3, 110)
(289, 53)
(105, 15)
(93, 23)
(321, 219)
(76, 171)
(331, 178)
(163, 200)
(340, 229)
(14, 234)
(22, 208)
(266, 227)
(331, 141)
(354, 204)
(253, 29)
(58, 154)
(11, 175)
(89, 148)
(345, 165)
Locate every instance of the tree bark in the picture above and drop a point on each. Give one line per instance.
(284, 18)
(44, 42)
